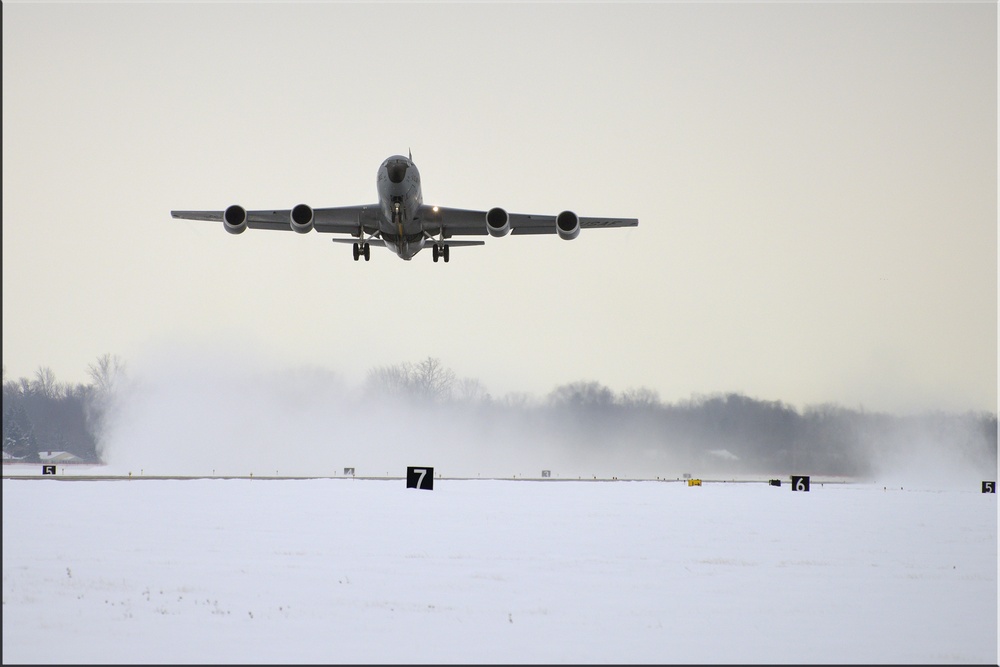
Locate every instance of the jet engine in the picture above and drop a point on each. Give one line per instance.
(568, 225)
(301, 218)
(235, 219)
(497, 222)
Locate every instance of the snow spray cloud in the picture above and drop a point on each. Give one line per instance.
(934, 450)
(197, 412)
(230, 412)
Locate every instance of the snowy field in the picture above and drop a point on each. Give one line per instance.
(495, 571)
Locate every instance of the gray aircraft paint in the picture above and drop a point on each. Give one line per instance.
(400, 221)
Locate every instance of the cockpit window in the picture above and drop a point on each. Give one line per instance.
(397, 171)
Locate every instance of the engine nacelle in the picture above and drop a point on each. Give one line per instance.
(234, 219)
(568, 225)
(301, 219)
(497, 222)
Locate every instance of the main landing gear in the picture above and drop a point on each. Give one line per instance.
(440, 251)
(366, 250)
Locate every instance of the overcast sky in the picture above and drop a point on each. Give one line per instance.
(816, 188)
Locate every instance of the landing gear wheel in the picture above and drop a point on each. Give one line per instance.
(357, 252)
(437, 253)
(444, 251)
(368, 252)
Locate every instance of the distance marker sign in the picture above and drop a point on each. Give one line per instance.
(419, 478)
(800, 482)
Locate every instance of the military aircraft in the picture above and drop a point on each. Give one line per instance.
(400, 221)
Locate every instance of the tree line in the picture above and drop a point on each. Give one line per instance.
(43, 415)
(724, 432)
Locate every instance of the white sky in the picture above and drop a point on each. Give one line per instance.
(816, 186)
(494, 572)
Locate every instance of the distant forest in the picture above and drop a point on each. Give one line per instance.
(724, 432)
(42, 415)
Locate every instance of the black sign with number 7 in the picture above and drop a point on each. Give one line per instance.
(419, 478)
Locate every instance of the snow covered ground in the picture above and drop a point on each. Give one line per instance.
(494, 571)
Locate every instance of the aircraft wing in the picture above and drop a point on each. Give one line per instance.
(337, 220)
(464, 222)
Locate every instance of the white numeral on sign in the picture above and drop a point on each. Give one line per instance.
(420, 478)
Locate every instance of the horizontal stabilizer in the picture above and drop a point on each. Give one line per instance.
(457, 242)
(211, 216)
(375, 242)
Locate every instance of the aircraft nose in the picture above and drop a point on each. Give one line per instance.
(396, 170)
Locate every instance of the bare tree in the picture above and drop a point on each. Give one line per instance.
(107, 373)
(432, 381)
(471, 390)
(517, 400)
(427, 381)
(45, 382)
(582, 395)
(640, 398)
(390, 380)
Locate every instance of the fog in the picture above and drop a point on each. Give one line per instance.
(186, 411)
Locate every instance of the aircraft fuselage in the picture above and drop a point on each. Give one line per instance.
(400, 199)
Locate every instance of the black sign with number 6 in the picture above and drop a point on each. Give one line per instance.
(800, 482)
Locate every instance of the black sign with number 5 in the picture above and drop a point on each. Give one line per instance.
(989, 487)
